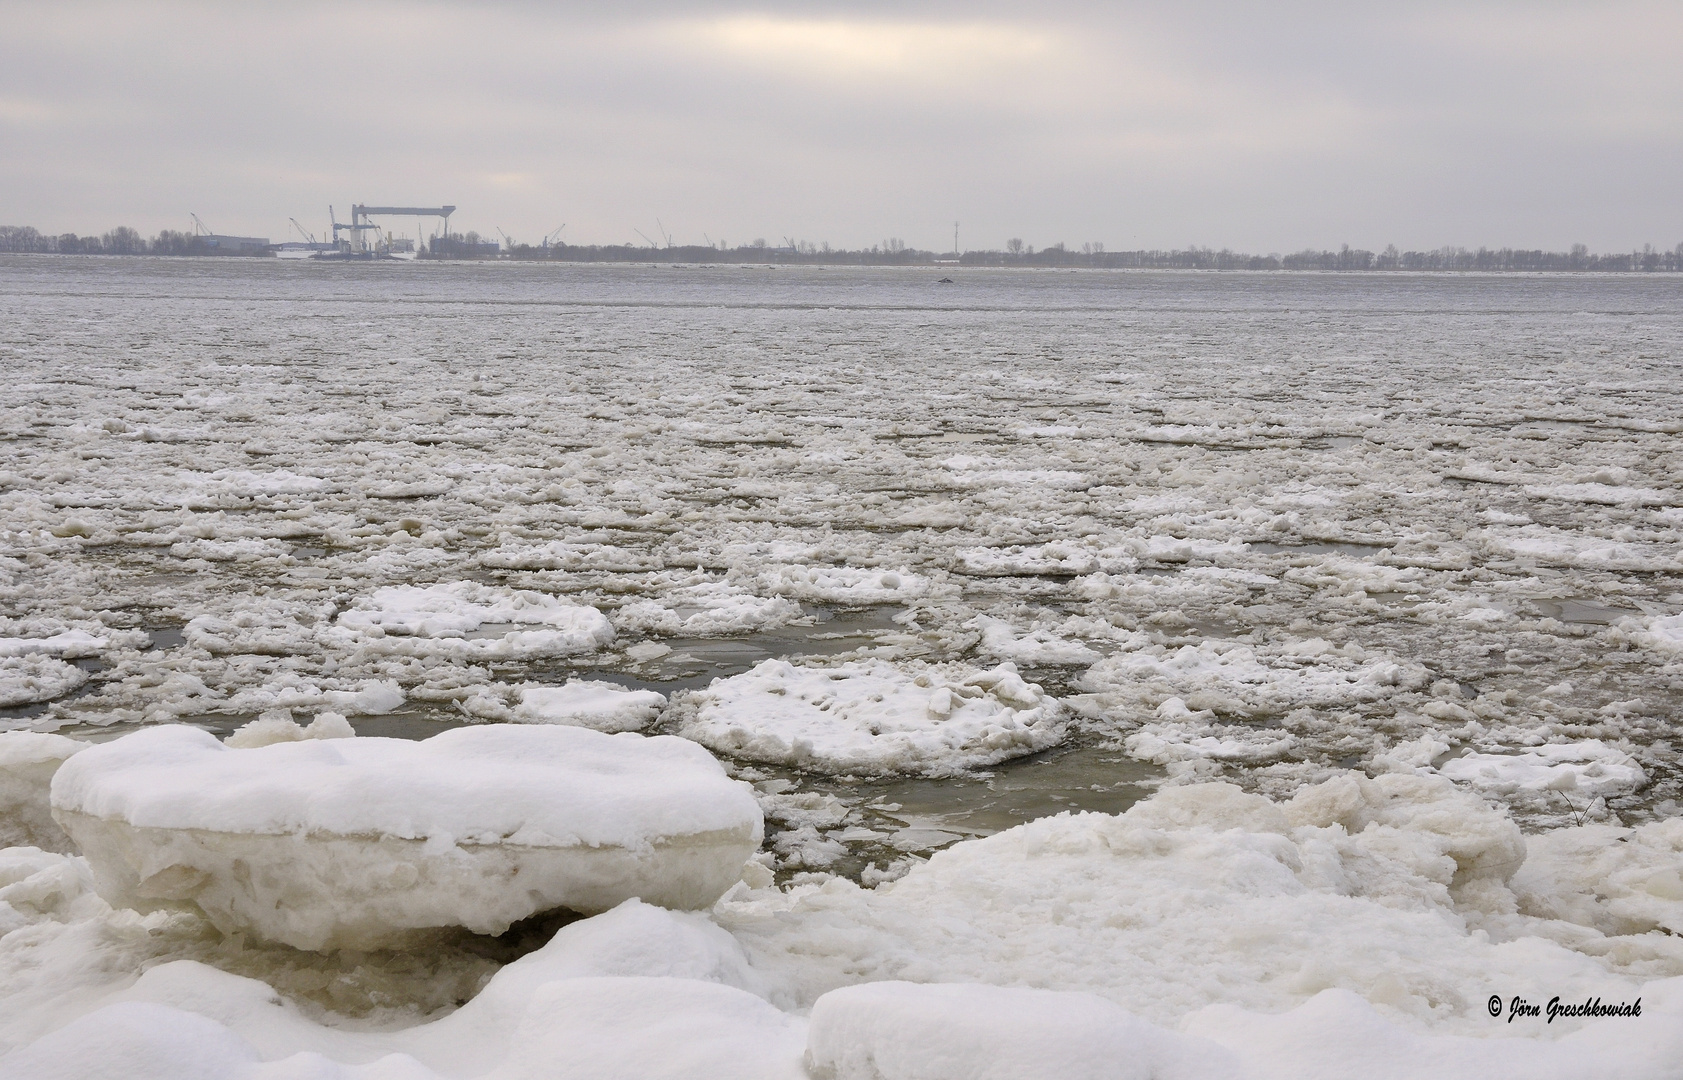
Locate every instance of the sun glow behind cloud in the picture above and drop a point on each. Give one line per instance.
(828, 48)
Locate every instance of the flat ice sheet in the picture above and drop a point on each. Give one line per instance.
(535, 785)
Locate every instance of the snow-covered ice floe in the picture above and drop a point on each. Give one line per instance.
(1589, 768)
(67, 644)
(1238, 679)
(589, 703)
(36, 677)
(692, 605)
(34, 669)
(363, 843)
(874, 718)
(965, 1031)
(1664, 634)
(439, 619)
(846, 585)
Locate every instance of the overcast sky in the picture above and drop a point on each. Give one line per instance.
(1261, 127)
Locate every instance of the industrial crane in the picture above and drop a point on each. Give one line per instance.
(360, 223)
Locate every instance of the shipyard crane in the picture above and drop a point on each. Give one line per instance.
(309, 236)
(506, 238)
(554, 236)
(360, 223)
(199, 227)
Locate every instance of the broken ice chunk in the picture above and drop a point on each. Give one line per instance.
(371, 843)
(36, 677)
(872, 717)
(447, 620)
(846, 585)
(1590, 767)
(278, 726)
(590, 703)
(28, 760)
(70, 643)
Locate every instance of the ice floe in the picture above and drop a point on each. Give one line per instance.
(278, 726)
(1664, 633)
(1190, 736)
(872, 717)
(67, 644)
(634, 993)
(846, 585)
(1234, 678)
(1589, 768)
(364, 842)
(443, 618)
(1041, 646)
(589, 703)
(36, 677)
(693, 605)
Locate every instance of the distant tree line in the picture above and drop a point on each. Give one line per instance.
(1579, 258)
(895, 252)
(891, 252)
(23, 239)
(460, 246)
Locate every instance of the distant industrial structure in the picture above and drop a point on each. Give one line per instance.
(235, 245)
(366, 240)
(216, 244)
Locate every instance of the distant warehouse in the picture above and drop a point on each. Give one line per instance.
(235, 245)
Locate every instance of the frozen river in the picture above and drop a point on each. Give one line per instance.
(1273, 529)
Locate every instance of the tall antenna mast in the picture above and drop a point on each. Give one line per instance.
(955, 238)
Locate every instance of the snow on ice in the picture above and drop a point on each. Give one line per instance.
(589, 703)
(363, 843)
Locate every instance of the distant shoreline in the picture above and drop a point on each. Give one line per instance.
(125, 241)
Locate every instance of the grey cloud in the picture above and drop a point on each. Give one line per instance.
(1265, 127)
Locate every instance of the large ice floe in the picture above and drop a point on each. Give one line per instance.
(473, 621)
(873, 718)
(364, 843)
